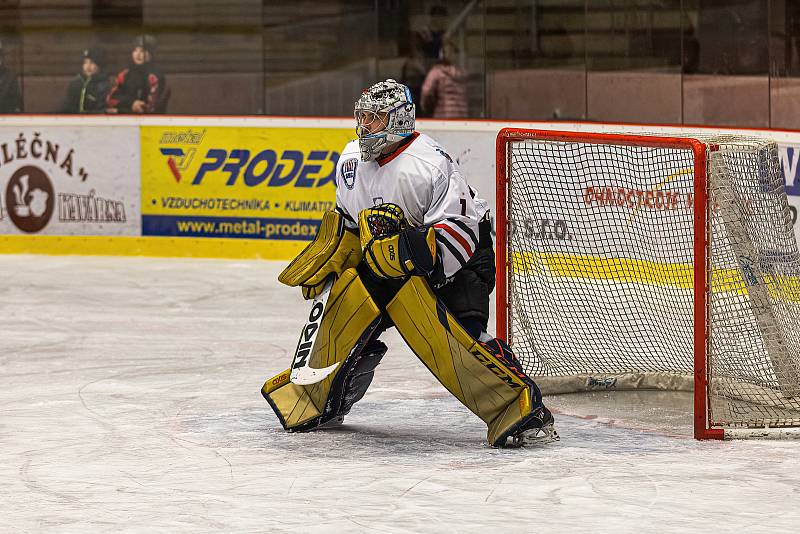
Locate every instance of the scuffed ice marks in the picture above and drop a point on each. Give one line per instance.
(372, 430)
(129, 402)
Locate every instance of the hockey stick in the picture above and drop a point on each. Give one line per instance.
(302, 373)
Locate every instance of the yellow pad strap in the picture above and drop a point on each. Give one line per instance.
(348, 313)
(470, 372)
(333, 250)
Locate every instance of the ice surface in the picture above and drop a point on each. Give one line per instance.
(129, 402)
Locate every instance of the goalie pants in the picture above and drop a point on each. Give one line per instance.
(466, 295)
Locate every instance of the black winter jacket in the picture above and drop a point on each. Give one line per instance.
(87, 94)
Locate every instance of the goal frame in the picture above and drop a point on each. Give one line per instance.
(702, 423)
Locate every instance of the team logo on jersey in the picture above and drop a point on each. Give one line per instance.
(349, 172)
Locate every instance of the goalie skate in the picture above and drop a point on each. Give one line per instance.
(542, 430)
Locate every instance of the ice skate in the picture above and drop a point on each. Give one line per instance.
(541, 429)
(336, 422)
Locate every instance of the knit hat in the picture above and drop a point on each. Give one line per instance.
(146, 41)
(98, 55)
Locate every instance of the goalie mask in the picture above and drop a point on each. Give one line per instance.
(384, 115)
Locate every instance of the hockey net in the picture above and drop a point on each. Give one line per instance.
(637, 261)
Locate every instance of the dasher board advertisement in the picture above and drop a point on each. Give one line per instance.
(69, 181)
(244, 183)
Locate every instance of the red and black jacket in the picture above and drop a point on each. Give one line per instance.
(139, 82)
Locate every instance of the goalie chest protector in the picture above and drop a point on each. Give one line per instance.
(420, 177)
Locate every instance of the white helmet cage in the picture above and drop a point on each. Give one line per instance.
(388, 97)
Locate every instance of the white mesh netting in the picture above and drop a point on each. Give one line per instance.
(600, 278)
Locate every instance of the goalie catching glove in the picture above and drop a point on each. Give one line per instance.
(393, 249)
(333, 250)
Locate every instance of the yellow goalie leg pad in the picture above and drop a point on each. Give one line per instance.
(470, 372)
(333, 250)
(349, 313)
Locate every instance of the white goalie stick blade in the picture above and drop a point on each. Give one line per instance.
(302, 373)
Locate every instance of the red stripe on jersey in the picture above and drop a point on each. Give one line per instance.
(383, 160)
(458, 237)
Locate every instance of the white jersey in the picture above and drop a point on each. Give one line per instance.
(426, 183)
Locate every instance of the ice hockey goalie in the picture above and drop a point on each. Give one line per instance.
(409, 246)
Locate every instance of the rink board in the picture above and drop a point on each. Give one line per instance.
(220, 187)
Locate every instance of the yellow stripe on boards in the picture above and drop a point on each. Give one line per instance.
(627, 270)
(178, 247)
(599, 268)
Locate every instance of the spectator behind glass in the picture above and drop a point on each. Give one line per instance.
(412, 73)
(444, 91)
(9, 88)
(431, 36)
(422, 48)
(140, 88)
(87, 92)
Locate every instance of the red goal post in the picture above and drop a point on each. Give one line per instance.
(603, 255)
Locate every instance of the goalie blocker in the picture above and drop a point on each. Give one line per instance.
(485, 377)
